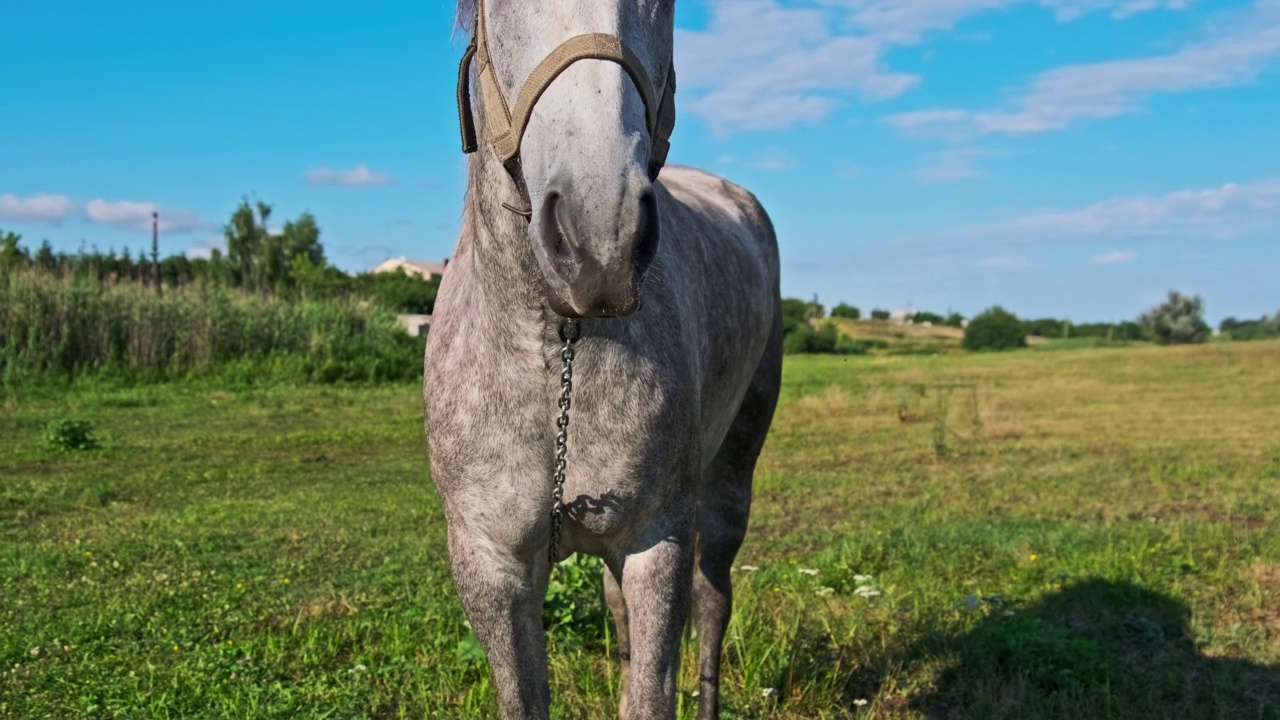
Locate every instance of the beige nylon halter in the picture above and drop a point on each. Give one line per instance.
(507, 124)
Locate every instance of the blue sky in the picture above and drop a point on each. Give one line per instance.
(1072, 158)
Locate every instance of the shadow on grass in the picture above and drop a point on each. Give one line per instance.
(1095, 649)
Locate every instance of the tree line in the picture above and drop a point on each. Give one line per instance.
(287, 263)
(1180, 319)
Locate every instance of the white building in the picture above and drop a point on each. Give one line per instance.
(423, 268)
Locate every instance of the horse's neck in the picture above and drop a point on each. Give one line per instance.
(497, 240)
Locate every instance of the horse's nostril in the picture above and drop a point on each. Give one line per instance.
(556, 235)
(646, 231)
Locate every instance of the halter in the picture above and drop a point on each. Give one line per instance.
(507, 124)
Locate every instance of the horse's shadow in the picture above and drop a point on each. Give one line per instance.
(1099, 648)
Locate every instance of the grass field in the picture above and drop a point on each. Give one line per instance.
(1078, 534)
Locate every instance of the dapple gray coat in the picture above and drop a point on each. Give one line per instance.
(671, 405)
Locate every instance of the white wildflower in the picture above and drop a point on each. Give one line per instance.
(768, 692)
(361, 668)
(866, 591)
(859, 702)
(748, 568)
(822, 591)
(862, 578)
(809, 571)
(35, 652)
(695, 693)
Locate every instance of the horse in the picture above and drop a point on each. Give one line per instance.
(589, 274)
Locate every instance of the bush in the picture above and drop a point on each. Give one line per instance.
(844, 310)
(928, 317)
(995, 329)
(1047, 328)
(1263, 328)
(879, 314)
(68, 435)
(806, 339)
(955, 320)
(1179, 320)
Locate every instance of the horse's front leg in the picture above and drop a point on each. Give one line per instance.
(502, 594)
(656, 587)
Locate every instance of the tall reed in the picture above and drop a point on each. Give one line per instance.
(66, 326)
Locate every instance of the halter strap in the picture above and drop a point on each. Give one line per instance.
(507, 124)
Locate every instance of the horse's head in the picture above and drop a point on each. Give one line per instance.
(583, 90)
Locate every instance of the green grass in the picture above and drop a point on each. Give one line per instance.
(1081, 534)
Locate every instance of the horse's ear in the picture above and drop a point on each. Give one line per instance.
(466, 120)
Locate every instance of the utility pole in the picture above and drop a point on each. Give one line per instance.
(155, 250)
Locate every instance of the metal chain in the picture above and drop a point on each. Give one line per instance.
(569, 334)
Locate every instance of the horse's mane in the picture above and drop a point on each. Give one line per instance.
(465, 16)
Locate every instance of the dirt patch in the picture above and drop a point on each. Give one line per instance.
(327, 608)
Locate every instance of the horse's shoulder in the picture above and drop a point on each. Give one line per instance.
(701, 189)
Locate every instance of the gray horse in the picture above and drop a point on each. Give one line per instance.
(677, 367)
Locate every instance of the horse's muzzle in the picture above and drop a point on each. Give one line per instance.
(596, 271)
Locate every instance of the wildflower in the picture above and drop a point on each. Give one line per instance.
(809, 571)
(866, 591)
(768, 693)
(859, 702)
(861, 578)
(286, 581)
(1033, 556)
(35, 652)
(239, 586)
(748, 568)
(361, 668)
(695, 693)
(175, 648)
(777, 589)
(823, 591)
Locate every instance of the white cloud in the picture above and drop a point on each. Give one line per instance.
(951, 166)
(762, 64)
(1004, 262)
(42, 207)
(137, 216)
(1114, 258)
(1232, 54)
(1219, 212)
(774, 159)
(358, 176)
(203, 249)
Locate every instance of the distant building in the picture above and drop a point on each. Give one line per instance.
(417, 325)
(422, 268)
(902, 316)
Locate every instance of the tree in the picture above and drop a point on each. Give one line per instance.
(844, 310)
(928, 317)
(1179, 320)
(955, 319)
(995, 329)
(879, 314)
(12, 254)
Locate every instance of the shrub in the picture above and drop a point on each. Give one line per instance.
(68, 435)
(844, 310)
(995, 329)
(879, 314)
(1179, 320)
(928, 317)
(1261, 329)
(1047, 328)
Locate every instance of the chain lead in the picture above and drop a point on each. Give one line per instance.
(569, 334)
